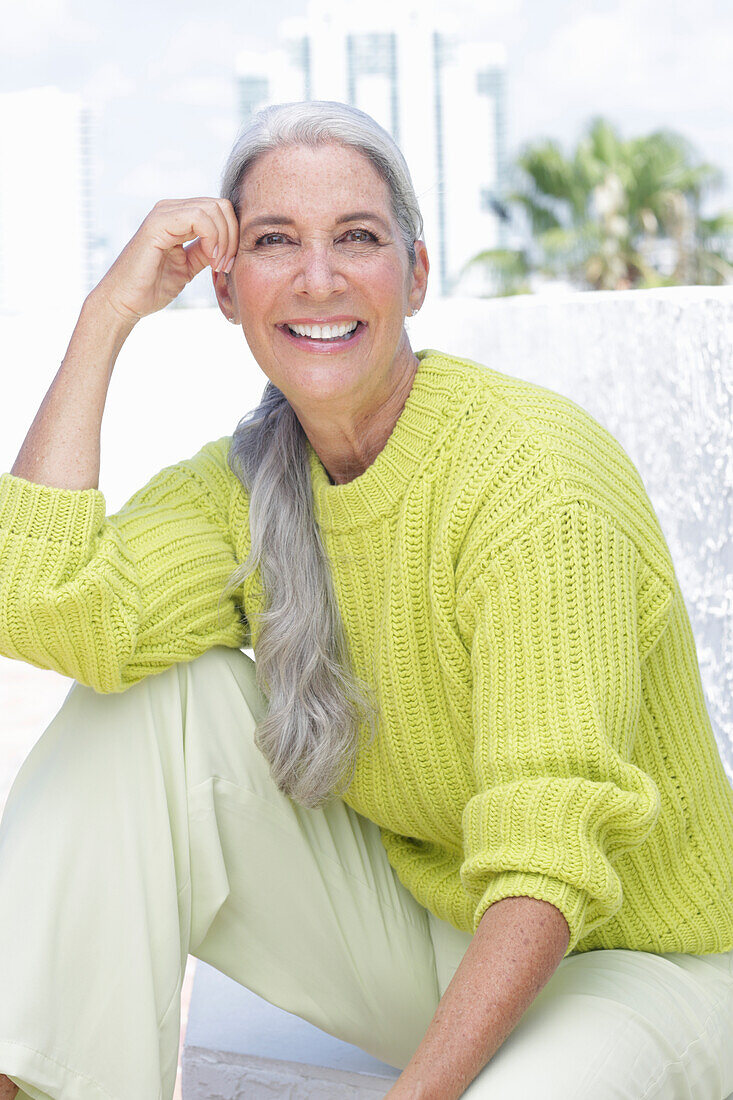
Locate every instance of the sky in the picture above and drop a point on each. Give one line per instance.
(160, 77)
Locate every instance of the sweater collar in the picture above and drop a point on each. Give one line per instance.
(415, 436)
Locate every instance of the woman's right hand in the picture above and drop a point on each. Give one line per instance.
(155, 266)
(62, 446)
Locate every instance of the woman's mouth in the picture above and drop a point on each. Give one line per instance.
(323, 337)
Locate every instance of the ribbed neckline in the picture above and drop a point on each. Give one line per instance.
(420, 426)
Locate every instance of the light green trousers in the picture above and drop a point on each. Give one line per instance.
(144, 826)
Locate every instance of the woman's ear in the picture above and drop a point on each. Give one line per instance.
(224, 296)
(419, 279)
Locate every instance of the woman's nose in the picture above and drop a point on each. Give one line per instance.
(319, 274)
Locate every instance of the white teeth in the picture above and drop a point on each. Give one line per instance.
(323, 332)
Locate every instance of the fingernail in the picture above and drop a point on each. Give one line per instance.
(216, 253)
(230, 265)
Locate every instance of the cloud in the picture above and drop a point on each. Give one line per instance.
(202, 91)
(632, 60)
(169, 175)
(34, 26)
(204, 45)
(107, 82)
(491, 19)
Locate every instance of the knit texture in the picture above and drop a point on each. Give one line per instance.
(505, 588)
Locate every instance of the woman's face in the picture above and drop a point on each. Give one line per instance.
(319, 245)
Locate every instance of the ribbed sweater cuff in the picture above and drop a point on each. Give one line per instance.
(32, 511)
(571, 902)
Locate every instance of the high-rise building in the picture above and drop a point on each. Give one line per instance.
(440, 96)
(45, 199)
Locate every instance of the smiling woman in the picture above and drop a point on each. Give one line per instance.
(335, 267)
(465, 809)
(347, 254)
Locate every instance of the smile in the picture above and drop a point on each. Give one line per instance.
(323, 337)
(324, 332)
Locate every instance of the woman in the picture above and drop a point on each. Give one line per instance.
(466, 810)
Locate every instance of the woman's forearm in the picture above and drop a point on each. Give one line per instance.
(62, 447)
(516, 948)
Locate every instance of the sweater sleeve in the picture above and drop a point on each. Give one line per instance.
(557, 633)
(109, 600)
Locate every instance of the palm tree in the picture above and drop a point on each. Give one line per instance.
(614, 216)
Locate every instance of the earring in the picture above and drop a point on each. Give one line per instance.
(233, 320)
(414, 311)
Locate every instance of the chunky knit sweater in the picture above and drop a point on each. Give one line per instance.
(507, 591)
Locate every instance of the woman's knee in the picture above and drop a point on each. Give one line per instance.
(222, 706)
(224, 670)
(97, 742)
(102, 795)
(191, 721)
(153, 713)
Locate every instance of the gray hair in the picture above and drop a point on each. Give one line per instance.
(323, 122)
(316, 704)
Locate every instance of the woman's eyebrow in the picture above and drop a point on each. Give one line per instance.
(361, 215)
(268, 219)
(281, 219)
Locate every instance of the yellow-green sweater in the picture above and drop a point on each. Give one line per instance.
(506, 588)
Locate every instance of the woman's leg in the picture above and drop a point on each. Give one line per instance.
(300, 905)
(145, 825)
(94, 899)
(614, 1025)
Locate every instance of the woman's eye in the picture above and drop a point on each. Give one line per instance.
(268, 238)
(361, 236)
(354, 236)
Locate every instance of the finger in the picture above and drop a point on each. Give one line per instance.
(173, 225)
(209, 215)
(222, 244)
(231, 217)
(196, 257)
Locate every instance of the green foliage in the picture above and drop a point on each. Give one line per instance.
(616, 215)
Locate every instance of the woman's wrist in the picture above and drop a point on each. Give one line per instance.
(98, 309)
